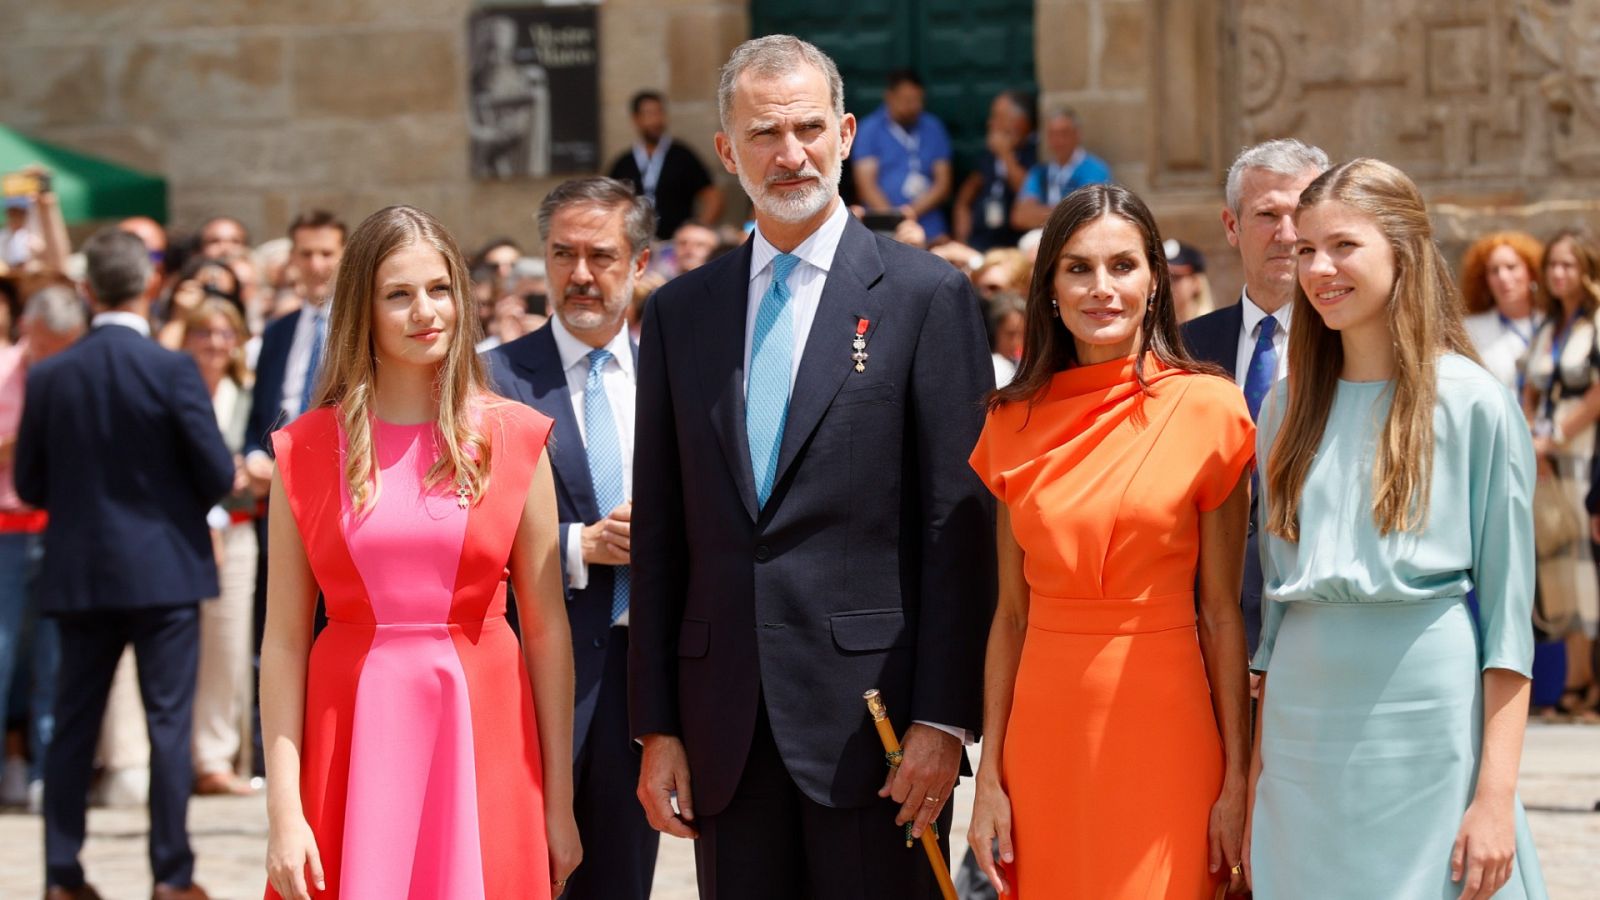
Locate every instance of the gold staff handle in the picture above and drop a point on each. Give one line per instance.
(892, 752)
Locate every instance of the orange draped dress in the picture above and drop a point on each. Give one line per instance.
(1112, 757)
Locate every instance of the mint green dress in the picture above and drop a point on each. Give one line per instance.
(1373, 717)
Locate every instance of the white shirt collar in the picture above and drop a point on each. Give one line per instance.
(817, 249)
(1073, 161)
(1253, 314)
(125, 319)
(574, 352)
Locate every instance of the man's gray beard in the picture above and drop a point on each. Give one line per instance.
(798, 206)
(586, 320)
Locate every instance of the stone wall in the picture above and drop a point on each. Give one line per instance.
(260, 109)
(1492, 106)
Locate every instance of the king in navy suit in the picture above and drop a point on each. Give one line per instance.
(120, 444)
(580, 371)
(806, 526)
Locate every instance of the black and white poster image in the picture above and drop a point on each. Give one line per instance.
(533, 91)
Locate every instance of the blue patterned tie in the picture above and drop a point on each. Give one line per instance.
(766, 404)
(1263, 367)
(605, 462)
(319, 336)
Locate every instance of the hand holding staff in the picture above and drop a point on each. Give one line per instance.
(891, 750)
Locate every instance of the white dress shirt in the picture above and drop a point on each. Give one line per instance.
(805, 283)
(805, 295)
(294, 371)
(125, 319)
(1251, 330)
(618, 377)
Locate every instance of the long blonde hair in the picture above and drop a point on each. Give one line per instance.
(349, 369)
(1424, 322)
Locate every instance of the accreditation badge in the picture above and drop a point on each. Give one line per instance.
(915, 185)
(994, 213)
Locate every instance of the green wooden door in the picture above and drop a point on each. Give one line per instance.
(966, 51)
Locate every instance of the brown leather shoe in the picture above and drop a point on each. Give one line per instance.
(214, 784)
(85, 892)
(168, 892)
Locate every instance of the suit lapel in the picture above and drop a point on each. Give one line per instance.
(719, 332)
(846, 299)
(538, 361)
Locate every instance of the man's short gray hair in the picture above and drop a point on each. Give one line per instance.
(772, 56)
(1065, 112)
(118, 266)
(57, 309)
(639, 219)
(1283, 156)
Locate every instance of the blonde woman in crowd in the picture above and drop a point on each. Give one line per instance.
(415, 749)
(1499, 279)
(1002, 269)
(1562, 401)
(213, 333)
(1398, 477)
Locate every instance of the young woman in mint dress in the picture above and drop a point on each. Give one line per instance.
(1398, 476)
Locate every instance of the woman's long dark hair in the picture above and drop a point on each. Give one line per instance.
(1048, 347)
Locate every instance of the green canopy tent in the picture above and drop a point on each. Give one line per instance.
(89, 188)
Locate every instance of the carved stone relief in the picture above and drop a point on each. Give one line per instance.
(1455, 90)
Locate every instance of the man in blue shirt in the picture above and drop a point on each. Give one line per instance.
(1068, 168)
(902, 157)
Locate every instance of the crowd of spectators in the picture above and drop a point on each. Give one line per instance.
(250, 313)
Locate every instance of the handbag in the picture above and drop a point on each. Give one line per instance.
(1556, 523)
(1557, 526)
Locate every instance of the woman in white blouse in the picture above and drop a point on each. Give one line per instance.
(1499, 276)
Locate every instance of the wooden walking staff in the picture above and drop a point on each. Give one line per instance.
(891, 751)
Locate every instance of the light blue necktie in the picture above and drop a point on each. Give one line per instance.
(319, 336)
(605, 462)
(766, 404)
(1263, 369)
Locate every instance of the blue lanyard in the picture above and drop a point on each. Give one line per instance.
(1558, 342)
(1511, 326)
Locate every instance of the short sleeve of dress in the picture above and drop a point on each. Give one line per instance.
(527, 431)
(986, 458)
(1224, 438)
(1500, 484)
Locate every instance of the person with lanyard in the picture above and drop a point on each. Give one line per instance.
(902, 157)
(981, 214)
(666, 171)
(1498, 284)
(1070, 167)
(1560, 398)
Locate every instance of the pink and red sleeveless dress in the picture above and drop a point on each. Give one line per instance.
(420, 763)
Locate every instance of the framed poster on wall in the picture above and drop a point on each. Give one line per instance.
(533, 91)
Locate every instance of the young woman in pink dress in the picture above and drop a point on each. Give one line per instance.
(414, 749)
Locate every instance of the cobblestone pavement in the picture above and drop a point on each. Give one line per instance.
(1560, 785)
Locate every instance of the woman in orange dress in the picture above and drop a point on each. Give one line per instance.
(1116, 749)
(414, 749)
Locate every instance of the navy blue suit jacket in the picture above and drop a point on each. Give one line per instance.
(529, 371)
(119, 442)
(872, 563)
(266, 400)
(1214, 338)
